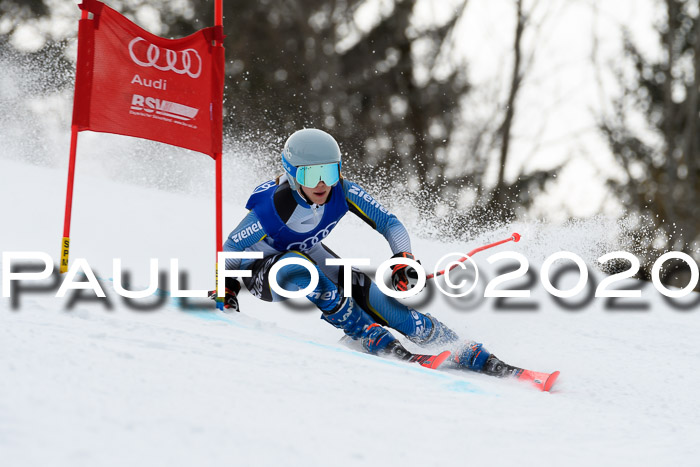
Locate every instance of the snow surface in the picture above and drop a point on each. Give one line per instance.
(84, 384)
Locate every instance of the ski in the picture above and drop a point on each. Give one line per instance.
(495, 367)
(396, 350)
(430, 361)
(542, 381)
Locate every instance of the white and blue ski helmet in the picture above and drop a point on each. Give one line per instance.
(311, 156)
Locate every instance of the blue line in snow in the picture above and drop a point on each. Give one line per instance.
(453, 383)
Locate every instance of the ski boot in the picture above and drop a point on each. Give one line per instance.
(474, 357)
(495, 367)
(471, 356)
(375, 339)
(358, 325)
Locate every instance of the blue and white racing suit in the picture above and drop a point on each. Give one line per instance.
(281, 224)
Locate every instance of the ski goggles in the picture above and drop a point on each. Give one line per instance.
(312, 175)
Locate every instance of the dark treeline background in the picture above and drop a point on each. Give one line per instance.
(393, 92)
(661, 157)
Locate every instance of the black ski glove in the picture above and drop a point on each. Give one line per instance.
(403, 276)
(230, 299)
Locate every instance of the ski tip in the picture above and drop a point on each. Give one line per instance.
(550, 381)
(542, 381)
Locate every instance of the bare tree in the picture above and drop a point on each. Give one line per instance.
(498, 203)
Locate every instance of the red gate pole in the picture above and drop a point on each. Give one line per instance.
(65, 242)
(219, 21)
(218, 157)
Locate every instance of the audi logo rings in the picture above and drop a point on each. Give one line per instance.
(310, 242)
(181, 62)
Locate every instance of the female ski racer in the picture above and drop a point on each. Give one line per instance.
(289, 217)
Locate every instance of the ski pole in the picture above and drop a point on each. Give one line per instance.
(514, 238)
